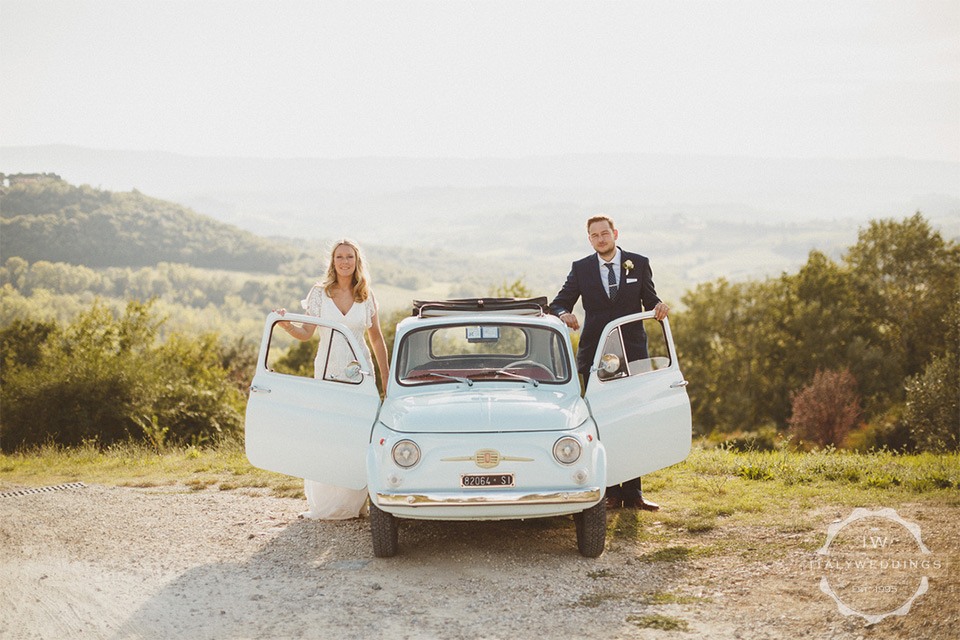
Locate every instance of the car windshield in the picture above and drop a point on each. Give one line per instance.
(471, 353)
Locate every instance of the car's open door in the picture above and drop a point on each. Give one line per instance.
(312, 404)
(638, 397)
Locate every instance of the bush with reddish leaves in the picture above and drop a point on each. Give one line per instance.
(827, 409)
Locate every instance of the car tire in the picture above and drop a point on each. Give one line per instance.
(383, 527)
(592, 530)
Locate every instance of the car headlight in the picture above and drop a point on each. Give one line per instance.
(406, 454)
(567, 450)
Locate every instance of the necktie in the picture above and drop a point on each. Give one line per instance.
(611, 280)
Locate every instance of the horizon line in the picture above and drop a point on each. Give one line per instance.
(509, 158)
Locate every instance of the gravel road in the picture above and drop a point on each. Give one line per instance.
(129, 563)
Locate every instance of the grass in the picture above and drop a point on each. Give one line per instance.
(668, 597)
(716, 490)
(224, 467)
(596, 599)
(602, 573)
(670, 554)
(657, 621)
(711, 488)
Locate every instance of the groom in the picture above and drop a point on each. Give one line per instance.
(612, 283)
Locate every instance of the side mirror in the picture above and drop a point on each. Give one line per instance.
(353, 371)
(609, 363)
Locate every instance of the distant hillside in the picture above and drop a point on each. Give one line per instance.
(49, 219)
(394, 200)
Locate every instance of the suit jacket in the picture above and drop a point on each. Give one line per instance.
(636, 293)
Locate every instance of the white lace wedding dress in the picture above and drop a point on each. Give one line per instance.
(327, 501)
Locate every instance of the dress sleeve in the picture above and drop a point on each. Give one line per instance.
(370, 308)
(311, 304)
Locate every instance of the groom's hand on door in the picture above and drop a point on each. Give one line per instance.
(571, 321)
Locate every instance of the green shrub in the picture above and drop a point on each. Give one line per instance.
(298, 359)
(932, 409)
(105, 379)
(886, 431)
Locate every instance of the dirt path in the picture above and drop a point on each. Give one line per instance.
(117, 563)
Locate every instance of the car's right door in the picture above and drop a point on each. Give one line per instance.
(640, 405)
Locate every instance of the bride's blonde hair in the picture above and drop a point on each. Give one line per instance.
(361, 281)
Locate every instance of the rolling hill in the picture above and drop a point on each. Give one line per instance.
(49, 219)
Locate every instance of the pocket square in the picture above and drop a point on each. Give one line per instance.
(631, 280)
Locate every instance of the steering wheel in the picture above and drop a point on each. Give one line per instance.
(530, 362)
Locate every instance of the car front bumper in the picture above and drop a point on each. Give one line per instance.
(448, 499)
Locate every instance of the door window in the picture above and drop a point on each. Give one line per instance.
(326, 355)
(640, 347)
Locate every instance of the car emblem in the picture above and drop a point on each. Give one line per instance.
(487, 458)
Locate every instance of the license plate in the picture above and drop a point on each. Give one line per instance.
(486, 480)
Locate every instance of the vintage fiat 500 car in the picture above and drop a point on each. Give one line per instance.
(482, 417)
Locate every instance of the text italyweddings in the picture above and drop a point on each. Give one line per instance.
(871, 564)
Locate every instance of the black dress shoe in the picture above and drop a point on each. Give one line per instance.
(642, 503)
(613, 503)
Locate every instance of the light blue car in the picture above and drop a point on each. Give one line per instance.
(482, 417)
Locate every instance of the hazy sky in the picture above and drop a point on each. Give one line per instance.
(773, 78)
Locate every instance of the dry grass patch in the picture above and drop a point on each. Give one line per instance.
(657, 621)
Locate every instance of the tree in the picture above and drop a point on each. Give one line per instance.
(517, 289)
(725, 337)
(824, 327)
(14, 271)
(21, 344)
(909, 276)
(883, 313)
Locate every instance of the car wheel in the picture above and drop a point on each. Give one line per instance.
(592, 530)
(383, 527)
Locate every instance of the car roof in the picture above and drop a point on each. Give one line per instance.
(487, 317)
(469, 306)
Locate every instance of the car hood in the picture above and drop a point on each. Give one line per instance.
(484, 411)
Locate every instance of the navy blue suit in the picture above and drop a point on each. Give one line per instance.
(635, 293)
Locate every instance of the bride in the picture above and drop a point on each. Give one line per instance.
(343, 296)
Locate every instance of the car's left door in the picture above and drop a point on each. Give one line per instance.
(639, 399)
(312, 404)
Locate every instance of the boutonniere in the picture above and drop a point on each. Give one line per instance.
(627, 266)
